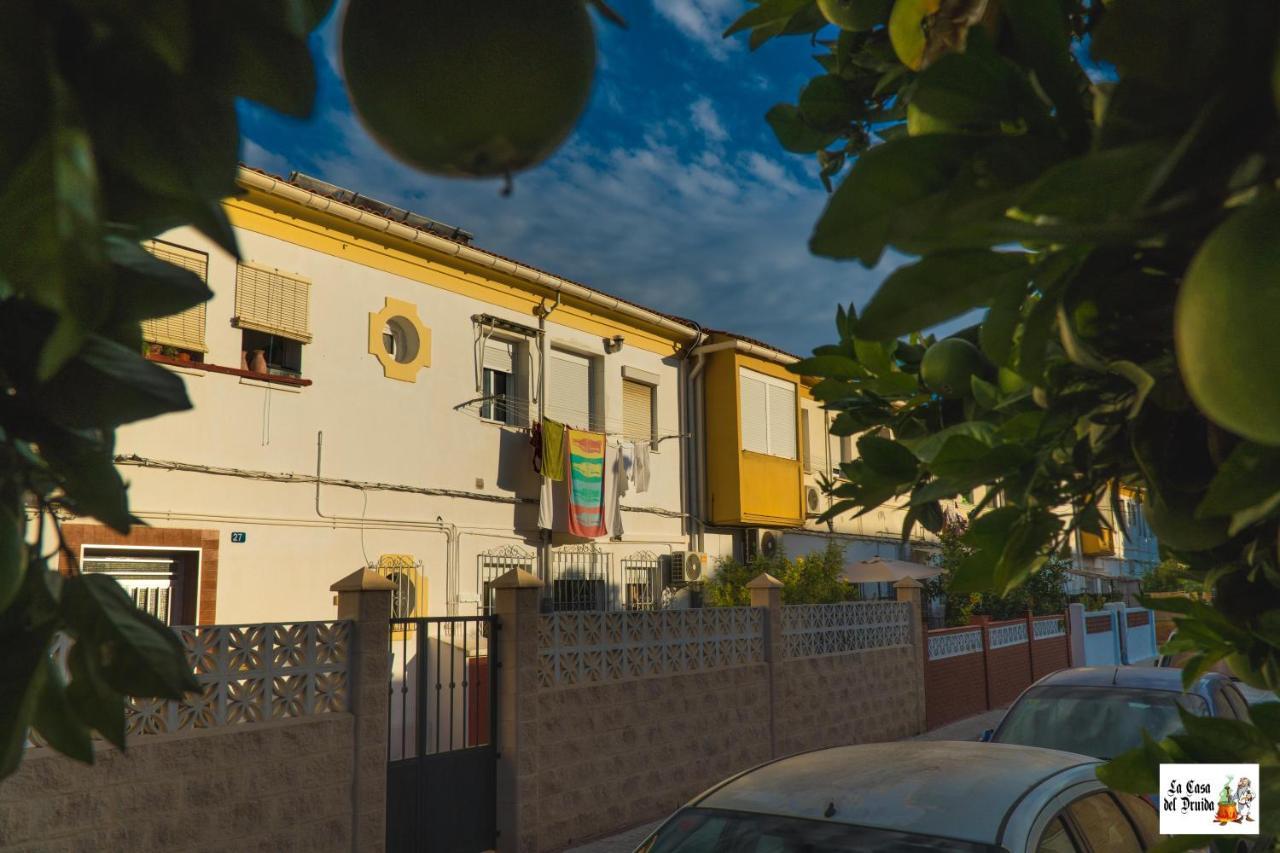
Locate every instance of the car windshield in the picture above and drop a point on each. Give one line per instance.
(715, 831)
(1098, 721)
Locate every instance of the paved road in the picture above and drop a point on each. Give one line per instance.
(967, 729)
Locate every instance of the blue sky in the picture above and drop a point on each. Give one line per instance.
(672, 192)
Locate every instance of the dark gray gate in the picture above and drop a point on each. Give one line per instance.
(442, 762)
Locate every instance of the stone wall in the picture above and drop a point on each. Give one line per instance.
(268, 787)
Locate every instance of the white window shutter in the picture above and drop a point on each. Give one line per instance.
(782, 421)
(755, 415)
(637, 410)
(570, 396)
(271, 301)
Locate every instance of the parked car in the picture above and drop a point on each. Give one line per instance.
(1253, 695)
(1102, 711)
(912, 796)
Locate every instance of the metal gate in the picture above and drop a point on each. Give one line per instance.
(442, 759)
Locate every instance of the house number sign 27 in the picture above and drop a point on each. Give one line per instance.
(238, 536)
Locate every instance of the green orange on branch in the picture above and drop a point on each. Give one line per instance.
(949, 366)
(475, 89)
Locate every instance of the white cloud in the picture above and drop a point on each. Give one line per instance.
(703, 21)
(770, 173)
(706, 119)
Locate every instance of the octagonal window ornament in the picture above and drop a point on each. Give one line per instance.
(399, 340)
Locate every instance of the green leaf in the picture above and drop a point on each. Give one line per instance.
(794, 133)
(147, 287)
(826, 104)
(56, 722)
(985, 395)
(21, 673)
(833, 366)
(1042, 41)
(876, 356)
(1248, 477)
(769, 11)
(975, 87)
(1026, 549)
(888, 458)
(92, 699)
(928, 448)
(13, 553)
(136, 653)
(996, 335)
(885, 181)
(1097, 187)
(1266, 716)
(939, 287)
(1219, 740)
(107, 385)
(1136, 771)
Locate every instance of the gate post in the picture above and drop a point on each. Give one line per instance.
(766, 593)
(364, 597)
(911, 591)
(516, 604)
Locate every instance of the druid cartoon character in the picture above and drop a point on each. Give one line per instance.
(1244, 799)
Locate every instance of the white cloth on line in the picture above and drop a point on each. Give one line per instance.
(640, 468)
(615, 486)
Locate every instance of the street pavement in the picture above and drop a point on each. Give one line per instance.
(967, 729)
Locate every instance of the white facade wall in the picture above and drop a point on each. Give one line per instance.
(376, 430)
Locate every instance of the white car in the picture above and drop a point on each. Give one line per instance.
(913, 796)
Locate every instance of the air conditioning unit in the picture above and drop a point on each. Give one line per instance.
(813, 500)
(763, 544)
(686, 567)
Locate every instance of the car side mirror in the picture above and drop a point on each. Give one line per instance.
(986, 736)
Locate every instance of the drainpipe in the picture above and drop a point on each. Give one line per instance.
(698, 512)
(450, 532)
(688, 476)
(544, 545)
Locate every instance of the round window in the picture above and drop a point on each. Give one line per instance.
(400, 340)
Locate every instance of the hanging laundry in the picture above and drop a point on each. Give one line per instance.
(615, 487)
(586, 483)
(553, 438)
(626, 465)
(640, 471)
(535, 443)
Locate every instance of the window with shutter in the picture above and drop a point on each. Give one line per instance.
(768, 414)
(571, 395)
(184, 330)
(637, 410)
(806, 440)
(273, 302)
(501, 401)
(755, 414)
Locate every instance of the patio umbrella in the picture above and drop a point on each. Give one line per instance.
(880, 570)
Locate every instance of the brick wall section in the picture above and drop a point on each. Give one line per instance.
(861, 697)
(955, 688)
(1049, 656)
(281, 786)
(1009, 671)
(619, 754)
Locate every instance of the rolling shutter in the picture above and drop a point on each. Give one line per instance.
(806, 440)
(570, 398)
(185, 329)
(782, 420)
(637, 410)
(755, 414)
(273, 302)
(500, 356)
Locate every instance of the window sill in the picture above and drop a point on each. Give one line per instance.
(259, 378)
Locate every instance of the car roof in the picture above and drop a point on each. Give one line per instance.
(1148, 677)
(951, 789)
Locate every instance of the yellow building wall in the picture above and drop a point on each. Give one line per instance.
(743, 487)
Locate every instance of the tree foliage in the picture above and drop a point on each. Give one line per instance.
(813, 579)
(1043, 594)
(1092, 176)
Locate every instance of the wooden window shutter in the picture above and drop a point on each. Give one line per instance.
(637, 410)
(184, 330)
(570, 397)
(268, 300)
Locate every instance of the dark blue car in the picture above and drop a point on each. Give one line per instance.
(1101, 711)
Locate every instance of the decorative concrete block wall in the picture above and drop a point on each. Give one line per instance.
(616, 719)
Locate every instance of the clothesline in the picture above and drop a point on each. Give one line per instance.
(472, 407)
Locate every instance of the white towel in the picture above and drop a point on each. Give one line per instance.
(615, 486)
(640, 469)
